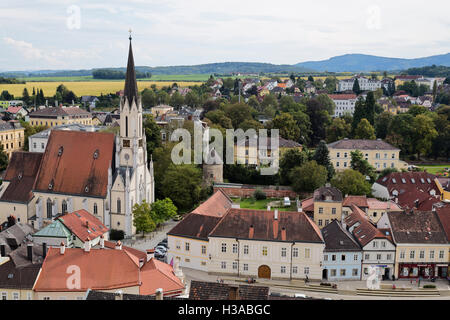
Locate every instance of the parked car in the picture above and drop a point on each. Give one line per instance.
(177, 218)
(161, 248)
(287, 202)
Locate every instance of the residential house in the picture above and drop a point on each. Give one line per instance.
(188, 241)
(327, 205)
(364, 84)
(12, 136)
(378, 248)
(344, 104)
(266, 244)
(89, 101)
(372, 207)
(422, 244)
(342, 254)
(103, 269)
(56, 116)
(16, 196)
(17, 111)
(418, 190)
(73, 229)
(379, 154)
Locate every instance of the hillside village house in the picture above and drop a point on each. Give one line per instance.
(378, 248)
(104, 269)
(379, 154)
(344, 104)
(99, 172)
(342, 254)
(266, 244)
(188, 241)
(12, 136)
(420, 190)
(56, 116)
(422, 245)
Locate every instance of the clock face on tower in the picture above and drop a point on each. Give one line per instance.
(127, 156)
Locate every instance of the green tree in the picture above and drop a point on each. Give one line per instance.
(319, 117)
(290, 159)
(322, 157)
(181, 183)
(351, 182)
(152, 134)
(382, 123)
(361, 165)
(251, 124)
(239, 112)
(308, 177)
(142, 219)
(356, 89)
(25, 96)
(364, 130)
(162, 210)
(176, 100)
(148, 98)
(4, 159)
(219, 117)
(424, 134)
(162, 97)
(287, 126)
(337, 130)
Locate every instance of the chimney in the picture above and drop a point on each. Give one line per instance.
(87, 245)
(102, 242)
(2, 250)
(30, 252)
(251, 232)
(44, 250)
(141, 263)
(119, 245)
(275, 214)
(159, 294)
(62, 248)
(396, 200)
(119, 295)
(150, 254)
(416, 203)
(87, 224)
(283, 233)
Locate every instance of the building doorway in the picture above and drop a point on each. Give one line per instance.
(264, 272)
(325, 274)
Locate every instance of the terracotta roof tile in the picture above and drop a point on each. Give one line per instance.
(361, 144)
(202, 290)
(365, 231)
(216, 205)
(196, 226)
(159, 275)
(237, 222)
(83, 224)
(444, 217)
(66, 173)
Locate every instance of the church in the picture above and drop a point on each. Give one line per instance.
(100, 172)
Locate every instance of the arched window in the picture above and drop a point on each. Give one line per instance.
(64, 206)
(49, 208)
(118, 205)
(95, 208)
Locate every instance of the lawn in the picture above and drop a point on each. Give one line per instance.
(437, 169)
(250, 203)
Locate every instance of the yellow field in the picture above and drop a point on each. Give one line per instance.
(85, 88)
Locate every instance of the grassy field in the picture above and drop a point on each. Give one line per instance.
(82, 88)
(156, 77)
(437, 169)
(250, 203)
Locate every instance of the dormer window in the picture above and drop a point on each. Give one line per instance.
(60, 151)
(50, 185)
(86, 189)
(20, 175)
(403, 180)
(96, 154)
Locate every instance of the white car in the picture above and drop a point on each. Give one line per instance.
(287, 202)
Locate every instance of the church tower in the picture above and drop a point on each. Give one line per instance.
(133, 180)
(131, 131)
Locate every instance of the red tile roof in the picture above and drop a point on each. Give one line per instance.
(360, 201)
(444, 217)
(159, 275)
(365, 231)
(216, 205)
(83, 224)
(21, 173)
(342, 96)
(105, 270)
(67, 173)
(237, 223)
(308, 204)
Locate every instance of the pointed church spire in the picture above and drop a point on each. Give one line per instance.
(131, 89)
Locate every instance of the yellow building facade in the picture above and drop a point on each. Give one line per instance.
(51, 117)
(12, 137)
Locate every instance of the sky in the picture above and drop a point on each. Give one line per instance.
(84, 34)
